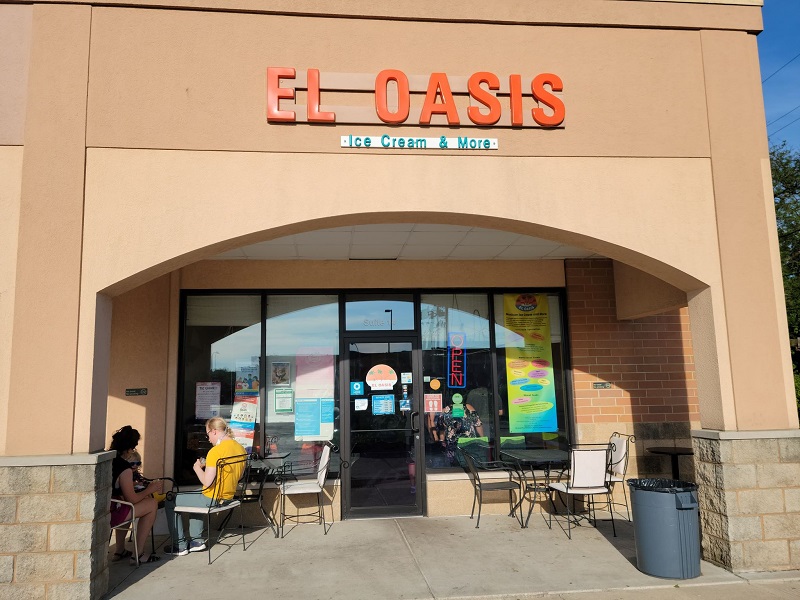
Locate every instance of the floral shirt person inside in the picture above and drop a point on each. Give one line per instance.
(469, 425)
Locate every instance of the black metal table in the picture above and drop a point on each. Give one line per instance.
(542, 457)
(266, 466)
(674, 452)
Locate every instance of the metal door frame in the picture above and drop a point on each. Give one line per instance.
(413, 337)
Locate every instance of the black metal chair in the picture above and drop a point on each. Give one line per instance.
(226, 467)
(252, 490)
(513, 484)
(531, 488)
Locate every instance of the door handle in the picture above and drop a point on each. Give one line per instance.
(415, 415)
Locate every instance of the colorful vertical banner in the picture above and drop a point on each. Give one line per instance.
(244, 412)
(244, 415)
(529, 364)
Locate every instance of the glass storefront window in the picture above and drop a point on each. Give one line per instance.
(531, 384)
(457, 375)
(302, 361)
(492, 366)
(221, 372)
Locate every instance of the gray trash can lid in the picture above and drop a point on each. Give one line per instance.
(666, 486)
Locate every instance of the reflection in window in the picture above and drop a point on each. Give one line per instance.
(457, 375)
(366, 312)
(301, 367)
(221, 350)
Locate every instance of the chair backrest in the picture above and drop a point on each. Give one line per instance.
(231, 472)
(620, 448)
(589, 467)
(469, 462)
(324, 463)
(478, 448)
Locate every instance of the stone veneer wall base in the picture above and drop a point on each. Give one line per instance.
(54, 526)
(749, 492)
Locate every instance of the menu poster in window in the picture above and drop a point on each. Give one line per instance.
(383, 404)
(206, 399)
(529, 364)
(243, 418)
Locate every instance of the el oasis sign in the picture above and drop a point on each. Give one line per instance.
(480, 100)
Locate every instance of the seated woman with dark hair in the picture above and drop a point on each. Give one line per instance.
(124, 441)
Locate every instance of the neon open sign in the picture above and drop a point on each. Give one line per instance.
(456, 360)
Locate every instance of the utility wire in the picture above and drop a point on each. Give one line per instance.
(784, 127)
(786, 114)
(776, 72)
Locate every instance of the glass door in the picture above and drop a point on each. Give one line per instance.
(381, 437)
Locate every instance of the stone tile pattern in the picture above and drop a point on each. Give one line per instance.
(647, 361)
(749, 493)
(54, 531)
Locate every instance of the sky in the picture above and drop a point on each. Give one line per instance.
(778, 44)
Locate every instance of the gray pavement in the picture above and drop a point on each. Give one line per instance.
(433, 558)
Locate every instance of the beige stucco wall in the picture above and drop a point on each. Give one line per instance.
(10, 182)
(15, 47)
(48, 271)
(139, 359)
(169, 116)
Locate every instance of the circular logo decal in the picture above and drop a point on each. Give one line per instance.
(526, 302)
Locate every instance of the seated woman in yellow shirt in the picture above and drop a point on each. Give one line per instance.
(224, 446)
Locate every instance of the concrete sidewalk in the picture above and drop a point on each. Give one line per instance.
(432, 558)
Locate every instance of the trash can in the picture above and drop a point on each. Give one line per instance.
(666, 527)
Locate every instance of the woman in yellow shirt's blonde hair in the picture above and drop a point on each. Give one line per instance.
(223, 446)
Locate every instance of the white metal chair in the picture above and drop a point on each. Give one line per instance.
(618, 465)
(588, 469)
(226, 467)
(300, 478)
(128, 524)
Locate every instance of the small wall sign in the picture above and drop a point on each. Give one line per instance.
(136, 391)
(601, 385)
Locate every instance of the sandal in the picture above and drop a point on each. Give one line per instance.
(150, 559)
(118, 556)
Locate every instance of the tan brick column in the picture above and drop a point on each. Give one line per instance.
(54, 526)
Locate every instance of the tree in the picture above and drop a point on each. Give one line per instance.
(785, 163)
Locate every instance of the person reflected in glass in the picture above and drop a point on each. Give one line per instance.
(458, 421)
(223, 446)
